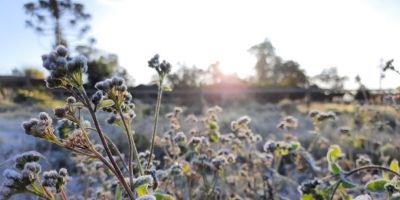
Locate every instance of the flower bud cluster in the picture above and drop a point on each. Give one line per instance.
(113, 89)
(41, 127)
(195, 142)
(54, 179)
(309, 186)
(280, 147)
(26, 157)
(162, 68)
(363, 160)
(116, 119)
(173, 118)
(24, 175)
(242, 131)
(68, 110)
(65, 71)
(180, 138)
(288, 123)
(242, 123)
(144, 157)
(76, 140)
(319, 116)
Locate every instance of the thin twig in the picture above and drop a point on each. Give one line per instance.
(63, 195)
(156, 114)
(113, 147)
(132, 148)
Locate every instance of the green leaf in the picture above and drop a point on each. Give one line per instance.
(377, 185)
(141, 184)
(213, 125)
(333, 153)
(105, 103)
(346, 183)
(394, 165)
(347, 197)
(213, 136)
(335, 168)
(141, 190)
(294, 146)
(306, 197)
(283, 151)
(163, 196)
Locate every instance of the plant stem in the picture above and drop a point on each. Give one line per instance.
(277, 162)
(156, 114)
(39, 194)
(113, 147)
(132, 149)
(43, 188)
(63, 195)
(313, 142)
(189, 185)
(107, 149)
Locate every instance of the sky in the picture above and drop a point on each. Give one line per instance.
(352, 35)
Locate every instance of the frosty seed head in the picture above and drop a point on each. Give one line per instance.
(60, 112)
(63, 172)
(180, 137)
(71, 100)
(154, 62)
(78, 63)
(117, 81)
(162, 68)
(244, 120)
(27, 157)
(44, 116)
(97, 97)
(61, 50)
(12, 174)
(33, 167)
(218, 162)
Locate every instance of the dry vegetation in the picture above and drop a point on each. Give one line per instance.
(326, 151)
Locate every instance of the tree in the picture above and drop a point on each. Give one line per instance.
(103, 67)
(289, 74)
(330, 79)
(266, 59)
(102, 64)
(187, 77)
(215, 72)
(55, 16)
(271, 70)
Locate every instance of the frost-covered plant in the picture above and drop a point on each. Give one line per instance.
(198, 156)
(112, 96)
(25, 177)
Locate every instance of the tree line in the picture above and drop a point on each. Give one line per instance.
(67, 20)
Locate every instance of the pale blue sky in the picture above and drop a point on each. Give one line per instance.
(352, 35)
